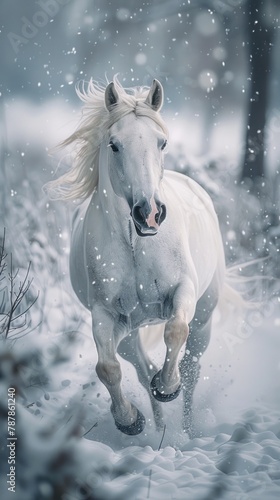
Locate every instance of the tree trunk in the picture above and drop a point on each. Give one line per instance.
(260, 38)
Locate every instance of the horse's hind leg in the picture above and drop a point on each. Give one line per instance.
(131, 350)
(197, 342)
(190, 368)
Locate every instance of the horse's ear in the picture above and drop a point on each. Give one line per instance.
(111, 96)
(155, 96)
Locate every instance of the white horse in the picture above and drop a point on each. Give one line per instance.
(146, 248)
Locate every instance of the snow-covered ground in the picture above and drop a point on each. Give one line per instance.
(236, 454)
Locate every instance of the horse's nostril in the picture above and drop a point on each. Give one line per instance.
(138, 214)
(160, 216)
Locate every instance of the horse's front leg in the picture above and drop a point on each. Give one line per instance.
(107, 335)
(166, 383)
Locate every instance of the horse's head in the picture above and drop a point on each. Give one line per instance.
(135, 147)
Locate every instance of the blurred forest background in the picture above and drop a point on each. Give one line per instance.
(218, 61)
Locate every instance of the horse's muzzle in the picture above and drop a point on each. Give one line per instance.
(148, 216)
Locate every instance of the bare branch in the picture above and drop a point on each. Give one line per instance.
(15, 322)
(28, 308)
(16, 298)
(3, 256)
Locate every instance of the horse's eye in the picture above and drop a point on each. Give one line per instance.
(113, 147)
(164, 145)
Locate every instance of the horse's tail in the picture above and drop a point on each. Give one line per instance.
(241, 293)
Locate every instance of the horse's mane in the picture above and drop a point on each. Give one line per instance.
(81, 180)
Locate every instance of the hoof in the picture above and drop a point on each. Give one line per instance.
(135, 428)
(160, 396)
